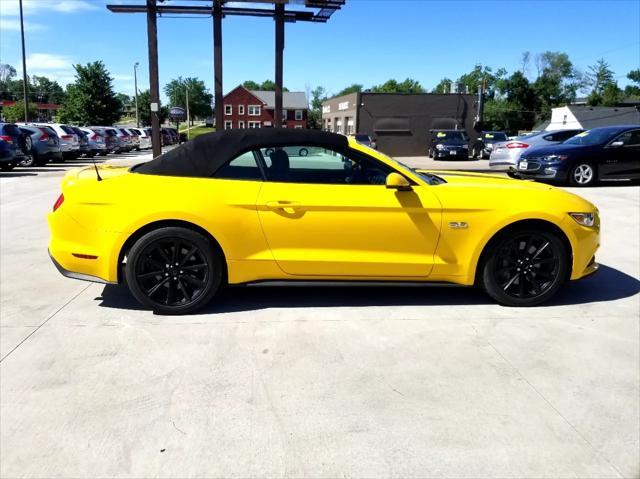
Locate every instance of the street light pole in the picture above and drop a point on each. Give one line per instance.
(188, 120)
(135, 82)
(24, 69)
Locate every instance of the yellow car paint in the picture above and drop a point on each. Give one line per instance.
(280, 231)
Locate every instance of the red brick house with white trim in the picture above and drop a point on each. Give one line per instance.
(255, 109)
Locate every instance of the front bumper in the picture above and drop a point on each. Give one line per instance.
(536, 169)
(448, 154)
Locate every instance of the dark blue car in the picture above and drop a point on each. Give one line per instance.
(11, 146)
(606, 153)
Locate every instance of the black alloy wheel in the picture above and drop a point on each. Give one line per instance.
(173, 270)
(525, 267)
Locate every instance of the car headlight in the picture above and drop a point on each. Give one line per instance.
(555, 157)
(440, 147)
(584, 219)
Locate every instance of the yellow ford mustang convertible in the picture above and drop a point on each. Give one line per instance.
(242, 206)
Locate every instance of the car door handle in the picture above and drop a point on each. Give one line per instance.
(283, 205)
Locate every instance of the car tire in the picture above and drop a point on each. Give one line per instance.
(157, 282)
(512, 174)
(583, 174)
(29, 160)
(303, 152)
(524, 267)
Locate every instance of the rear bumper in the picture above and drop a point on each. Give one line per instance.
(71, 243)
(80, 276)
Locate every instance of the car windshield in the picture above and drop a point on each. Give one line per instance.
(495, 136)
(429, 178)
(454, 136)
(67, 129)
(363, 138)
(591, 137)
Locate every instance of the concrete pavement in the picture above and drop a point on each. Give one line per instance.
(315, 382)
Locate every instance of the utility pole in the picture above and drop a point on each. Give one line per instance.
(24, 70)
(217, 63)
(188, 117)
(279, 17)
(135, 83)
(154, 82)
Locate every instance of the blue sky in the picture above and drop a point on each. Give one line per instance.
(368, 41)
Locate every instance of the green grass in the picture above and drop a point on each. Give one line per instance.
(199, 130)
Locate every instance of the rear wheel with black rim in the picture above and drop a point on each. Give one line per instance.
(582, 174)
(29, 160)
(174, 270)
(524, 267)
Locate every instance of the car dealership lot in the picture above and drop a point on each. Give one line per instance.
(316, 382)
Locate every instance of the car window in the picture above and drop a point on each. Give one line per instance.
(308, 164)
(67, 129)
(630, 138)
(244, 167)
(590, 137)
(11, 130)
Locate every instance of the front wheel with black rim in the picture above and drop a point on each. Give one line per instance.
(582, 174)
(524, 267)
(174, 270)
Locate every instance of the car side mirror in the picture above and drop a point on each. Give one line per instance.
(395, 181)
(616, 144)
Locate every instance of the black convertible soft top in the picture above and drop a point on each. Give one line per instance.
(203, 156)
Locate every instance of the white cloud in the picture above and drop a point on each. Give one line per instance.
(11, 8)
(48, 61)
(13, 25)
(121, 77)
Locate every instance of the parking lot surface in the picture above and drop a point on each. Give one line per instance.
(315, 382)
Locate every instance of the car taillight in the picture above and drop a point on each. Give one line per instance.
(517, 144)
(6, 138)
(66, 137)
(58, 202)
(45, 136)
(93, 137)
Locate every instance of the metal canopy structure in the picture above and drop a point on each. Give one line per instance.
(317, 11)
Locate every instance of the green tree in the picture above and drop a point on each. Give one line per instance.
(633, 90)
(90, 99)
(393, 86)
(7, 73)
(15, 112)
(318, 96)
(444, 86)
(144, 108)
(353, 88)
(612, 95)
(199, 96)
(267, 85)
(599, 76)
(251, 85)
(44, 90)
(557, 82)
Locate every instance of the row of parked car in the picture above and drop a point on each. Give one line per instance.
(575, 156)
(578, 157)
(36, 144)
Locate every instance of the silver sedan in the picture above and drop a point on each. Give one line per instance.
(505, 155)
